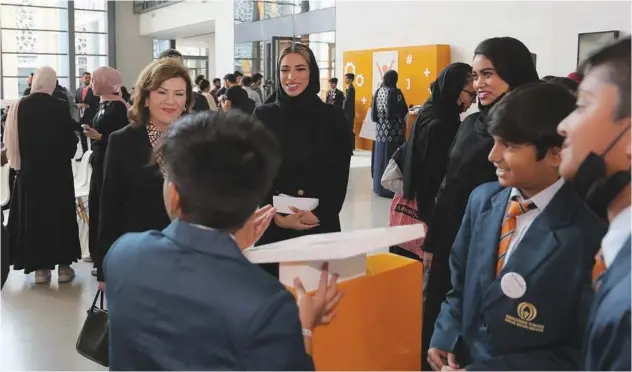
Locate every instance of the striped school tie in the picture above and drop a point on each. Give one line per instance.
(598, 270)
(514, 209)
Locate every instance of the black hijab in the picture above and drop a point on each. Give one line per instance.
(442, 104)
(305, 101)
(389, 81)
(512, 61)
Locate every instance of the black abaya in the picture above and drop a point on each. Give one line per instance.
(42, 223)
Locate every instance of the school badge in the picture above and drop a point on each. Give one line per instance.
(526, 315)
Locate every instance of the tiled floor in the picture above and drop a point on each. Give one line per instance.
(39, 324)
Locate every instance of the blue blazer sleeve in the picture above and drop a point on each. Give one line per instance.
(275, 338)
(610, 348)
(448, 324)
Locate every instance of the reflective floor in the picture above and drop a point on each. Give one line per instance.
(39, 324)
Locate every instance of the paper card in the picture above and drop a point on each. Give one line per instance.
(334, 246)
(282, 203)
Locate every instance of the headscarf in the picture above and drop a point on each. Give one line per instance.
(44, 81)
(442, 104)
(106, 82)
(303, 101)
(445, 91)
(389, 81)
(512, 61)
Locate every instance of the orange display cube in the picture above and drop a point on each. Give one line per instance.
(378, 321)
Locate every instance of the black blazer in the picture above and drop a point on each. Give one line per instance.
(131, 195)
(348, 105)
(92, 101)
(315, 162)
(335, 98)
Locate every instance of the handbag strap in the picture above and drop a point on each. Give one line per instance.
(94, 303)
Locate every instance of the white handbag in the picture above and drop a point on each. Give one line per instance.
(369, 127)
(393, 179)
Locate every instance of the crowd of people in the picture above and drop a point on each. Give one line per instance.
(522, 270)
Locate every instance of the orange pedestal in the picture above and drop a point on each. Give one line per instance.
(378, 321)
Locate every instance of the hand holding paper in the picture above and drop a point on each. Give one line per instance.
(285, 203)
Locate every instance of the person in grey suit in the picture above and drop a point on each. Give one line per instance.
(186, 298)
(596, 157)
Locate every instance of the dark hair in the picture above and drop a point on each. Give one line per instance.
(84, 74)
(616, 58)
(125, 94)
(222, 165)
(231, 78)
(238, 73)
(246, 81)
(530, 114)
(565, 83)
(198, 79)
(511, 59)
(333, 80)
(216, 80)
(204, 85)
(350, 76)
(150, 79)
(33, 74)
(547, 78)
(169, 53)
(257, 77)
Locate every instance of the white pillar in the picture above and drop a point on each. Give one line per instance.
(224, 41)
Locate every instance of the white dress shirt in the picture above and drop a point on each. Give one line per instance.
(618, 232)
(541, 200)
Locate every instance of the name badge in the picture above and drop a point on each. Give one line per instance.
(513, 285)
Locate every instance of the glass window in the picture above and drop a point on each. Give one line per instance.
(91, 43)
(40, 3)
(91, 4)
(91, 21)
(159, 46)
(249, 57)
(27, 41)
(13, 87)
(13, 63)
(22, 17)
(256, 10)
(196, 67)
(88, 64)
(192, 51)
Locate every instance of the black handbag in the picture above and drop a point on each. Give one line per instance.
(93, 341)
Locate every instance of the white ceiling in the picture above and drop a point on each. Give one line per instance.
(194, 32)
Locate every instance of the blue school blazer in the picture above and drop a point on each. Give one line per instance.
(542, 330)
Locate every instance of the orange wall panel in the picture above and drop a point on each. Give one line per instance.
(417, 66)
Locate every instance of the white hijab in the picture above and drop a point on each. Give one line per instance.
(44, 81)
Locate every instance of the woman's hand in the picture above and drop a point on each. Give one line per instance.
(307, 217)
(297, 221)
(254, 228)
(101, 286)
(318, 309)
(91, 132)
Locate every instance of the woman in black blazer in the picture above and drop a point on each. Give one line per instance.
(131, 195)
(315, 145)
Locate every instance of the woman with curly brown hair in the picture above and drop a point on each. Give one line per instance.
(131, 194)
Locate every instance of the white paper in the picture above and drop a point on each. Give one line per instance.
(334, 246)
(282, 203)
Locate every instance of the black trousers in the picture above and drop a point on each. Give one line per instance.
(84, 141)
(438, 284)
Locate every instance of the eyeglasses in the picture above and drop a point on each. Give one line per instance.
(472, 94)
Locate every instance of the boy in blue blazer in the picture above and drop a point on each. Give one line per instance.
(596, 157)
(186, 298)
(522, 261)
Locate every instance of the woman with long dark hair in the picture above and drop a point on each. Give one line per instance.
(315, 148)
(499, 65)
